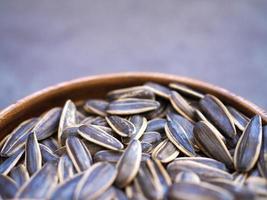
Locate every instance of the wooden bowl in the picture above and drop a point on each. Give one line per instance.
(97, 86)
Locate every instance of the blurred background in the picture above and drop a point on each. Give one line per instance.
(46, 42)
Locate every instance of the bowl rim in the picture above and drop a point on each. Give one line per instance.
(246, 106)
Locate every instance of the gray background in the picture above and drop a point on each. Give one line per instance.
(46, 42)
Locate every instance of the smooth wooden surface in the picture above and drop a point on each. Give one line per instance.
(97, 86)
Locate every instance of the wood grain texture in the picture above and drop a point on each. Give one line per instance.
(97, 86)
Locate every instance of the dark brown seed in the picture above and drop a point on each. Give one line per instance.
(211, 143)
(99, 137)
(129, 163)
(131, 106)
(248, 147)
(186, 90)
(215, 110)
(179, 138)
(96, 106)
(33, 157)
(182, 106)
(8, 187)
(121, 126)
(78, 153)
(48, 124)
(91, 185)
(262, 162)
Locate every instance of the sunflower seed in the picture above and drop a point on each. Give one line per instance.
(60, 151)
(10, 162)
(65, 168)
(199, 191)
(51, 143)
(146, 147)
(187, 176)
(218, 114)
(186, 90)
(96, 106)
(262, 162)
(78, 153)
(67, 119)
(91, 185)
(258, 185)
(33, 157)
(151, 137)
(48, 124)
(129, 163)
(40, 184)
(121, 126)
(19, 174)
(240, 120)
(119, 194)
(248, 147)
(158, 89)
(109, 194)
(8, 187)
(156, 125)
(165, 151)
(140, 92)
(66, 189)
(108, 156)
(47, 154)
(211, 143)
(160, 112)
(99, 137)
(179, 138)
(182, 106)
(18, 137)
(131, 106)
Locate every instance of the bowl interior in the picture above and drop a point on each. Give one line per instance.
(98, 86)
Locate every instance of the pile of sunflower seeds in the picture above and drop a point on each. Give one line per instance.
(143, 142)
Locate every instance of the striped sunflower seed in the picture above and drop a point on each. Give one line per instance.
(65, 168)
(47, 154)
(240, 120)
(158, 89)
(121, 126)
(187, 176)
(91, 186)
(10, 162)
(157, 124)
(96, 106)
(78, 153)
(215, 110)
(8, 187)
(131, 106)
(248, 147)
(99, 137)
(51, 143)
(186, 90)
(262, 162)
(33, 157)
(129, 163)
(19, 174)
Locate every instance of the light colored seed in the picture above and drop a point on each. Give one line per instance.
(186, 90)
(40, 184)
(204, 160)
(78, 153)
(66, 189)
(179, 138)
(158, 89)
(96, 106)
(182, 106)
(18, 137)
(99, 137)
(187, 177)
(262, 162)
(91, 186)
(157, 124)
(248, 147)
(129, 163)
(121, 126)
(19, 174)
(8, 187)
(165, 151)
(211, 143)
(201, 191)
(48, 124)
(67, 119)
(65, 168)
(131, 106)
(33, 157)
(240, 120)
(215, 110)
(51, 143)
(204, 171)
(10, 162)
(47, 154)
